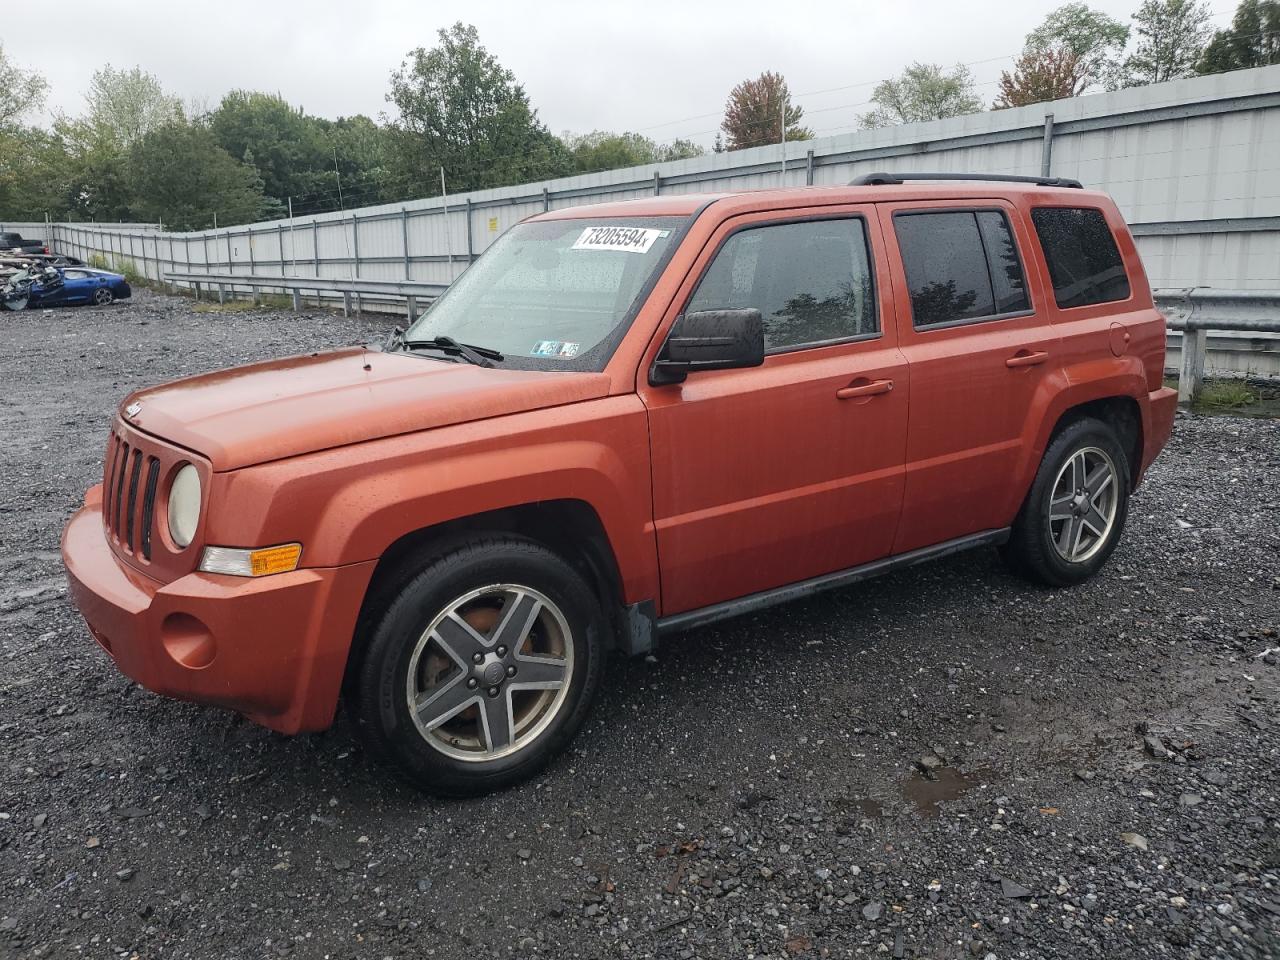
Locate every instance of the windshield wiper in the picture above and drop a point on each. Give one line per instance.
(480, 356)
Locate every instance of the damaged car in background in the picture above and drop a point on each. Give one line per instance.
(42, 282)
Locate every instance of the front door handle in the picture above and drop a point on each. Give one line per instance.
(1027, 358)
(869, 389)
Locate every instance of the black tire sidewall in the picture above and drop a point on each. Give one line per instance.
(1031, 539)
(382, 712)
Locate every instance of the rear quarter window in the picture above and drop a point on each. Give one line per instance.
(1080, 251)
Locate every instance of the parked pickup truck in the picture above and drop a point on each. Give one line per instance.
(14, 242)
(622, 422)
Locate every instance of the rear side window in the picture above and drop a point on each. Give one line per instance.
(1083, 260)
(810, 280)
(961, 266)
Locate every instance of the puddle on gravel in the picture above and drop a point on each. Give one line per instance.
(870, 809)
(947, 783)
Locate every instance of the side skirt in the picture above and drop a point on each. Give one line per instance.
(806, 588)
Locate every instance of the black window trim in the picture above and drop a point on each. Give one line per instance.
(1114, 240)
(985, 318)
(812, 344)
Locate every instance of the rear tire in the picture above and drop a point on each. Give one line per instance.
(1074, 514)
(102, 297)
(481, 669)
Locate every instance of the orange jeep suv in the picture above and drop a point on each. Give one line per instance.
(623, 421)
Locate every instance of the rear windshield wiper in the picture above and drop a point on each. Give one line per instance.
(480, 356)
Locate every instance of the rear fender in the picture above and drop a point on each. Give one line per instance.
(1065, 389)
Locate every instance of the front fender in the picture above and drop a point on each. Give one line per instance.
(350, 504)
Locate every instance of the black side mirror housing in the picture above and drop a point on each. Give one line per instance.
(709, 340)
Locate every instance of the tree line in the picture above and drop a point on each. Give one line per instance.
(136, 152)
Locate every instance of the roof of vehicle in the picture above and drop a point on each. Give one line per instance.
(686, 204)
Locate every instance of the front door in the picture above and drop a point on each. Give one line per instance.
(770, 475)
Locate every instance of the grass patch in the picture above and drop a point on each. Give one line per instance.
(126, 268)
(1226, 395)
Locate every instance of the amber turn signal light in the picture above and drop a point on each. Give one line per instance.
(260, 562)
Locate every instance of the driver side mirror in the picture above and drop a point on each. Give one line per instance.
(709, 340)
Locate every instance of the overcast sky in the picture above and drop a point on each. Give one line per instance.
(606, 64)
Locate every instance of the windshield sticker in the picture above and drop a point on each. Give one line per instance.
(628, 239)
(555, 348)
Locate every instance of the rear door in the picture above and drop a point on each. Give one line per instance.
(979, 347)
(775, 474)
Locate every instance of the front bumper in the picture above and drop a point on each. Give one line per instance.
(273, 648)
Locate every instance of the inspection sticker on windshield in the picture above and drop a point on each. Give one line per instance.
(629, 239)
(555, 348)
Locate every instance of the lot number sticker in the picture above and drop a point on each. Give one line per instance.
(629, 239)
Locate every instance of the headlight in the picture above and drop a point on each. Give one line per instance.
(184, 505)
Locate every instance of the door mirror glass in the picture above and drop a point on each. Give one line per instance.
(710, 340)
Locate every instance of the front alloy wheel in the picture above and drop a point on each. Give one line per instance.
(480, 668)
(490, 672)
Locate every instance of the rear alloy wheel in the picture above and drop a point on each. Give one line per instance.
(481, 669)
(1073, 517)
(103, 296)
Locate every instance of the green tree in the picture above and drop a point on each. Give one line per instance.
(21, 91)
(126, 105)
(1253, 39)
(924, 91)
(459, 108)
(1040, 76)
(753, 114)
(602, 150)
(177, 173)
(1172, 37)
(289, 149)
(1097, 40)
(34, 174)
(364, 156)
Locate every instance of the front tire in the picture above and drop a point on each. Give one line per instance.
(481, 669)
(1073, 517)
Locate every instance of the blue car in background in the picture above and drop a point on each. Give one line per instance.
(81, 285)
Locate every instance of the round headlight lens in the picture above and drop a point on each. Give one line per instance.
(184, 505)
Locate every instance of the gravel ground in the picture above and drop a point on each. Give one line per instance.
(1103, 764)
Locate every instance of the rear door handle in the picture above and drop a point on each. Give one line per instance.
(1027, 358)
(865, 389)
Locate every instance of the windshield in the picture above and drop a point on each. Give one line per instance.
(552, 294)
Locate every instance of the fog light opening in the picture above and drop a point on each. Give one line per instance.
(187, 641)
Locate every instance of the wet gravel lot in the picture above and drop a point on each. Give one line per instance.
(1102, 764)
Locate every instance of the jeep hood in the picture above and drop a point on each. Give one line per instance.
(282, 408)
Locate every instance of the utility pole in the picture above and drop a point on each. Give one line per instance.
(448, 228)
(338, 173)
(782, 173)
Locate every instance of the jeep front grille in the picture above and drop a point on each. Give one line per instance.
(127, 521)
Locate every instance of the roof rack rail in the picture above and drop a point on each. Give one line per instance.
(880, 179)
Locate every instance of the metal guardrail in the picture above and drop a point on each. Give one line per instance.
(1194, 311)
(411, 290)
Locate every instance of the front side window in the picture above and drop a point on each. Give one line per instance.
(961, 265)
(1083, 260)
(553, 294)
(810, 280)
